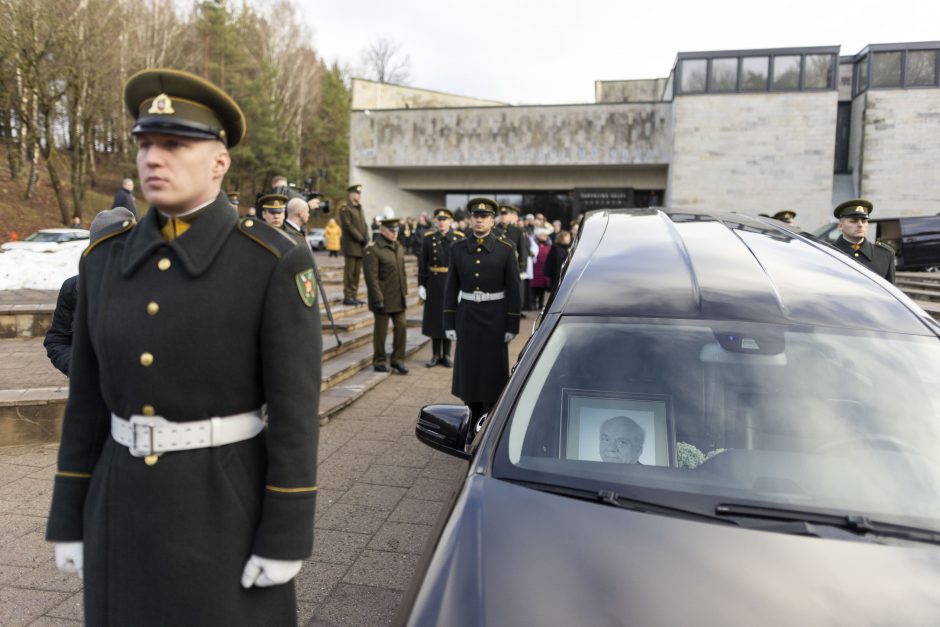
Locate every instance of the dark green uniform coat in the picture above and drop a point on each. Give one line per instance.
(878, 257)
(518, 238)
(352, 220)
(228, 313)
(481, 366)
(432, 275)
(383, 263)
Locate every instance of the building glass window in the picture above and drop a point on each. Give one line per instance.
(724, 75)
(787, 72)
(817, 73)
(692, 73)
(921, 68)
(886, 69)
(754, 73)
(861, 75)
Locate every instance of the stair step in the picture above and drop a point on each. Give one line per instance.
(348, 364)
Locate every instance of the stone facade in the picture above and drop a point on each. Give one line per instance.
(374, 95)
(755, 153)
(646, 90)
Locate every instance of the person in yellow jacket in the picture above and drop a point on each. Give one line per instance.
(332, 233)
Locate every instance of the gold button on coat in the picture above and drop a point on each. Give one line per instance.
(153, 308)
(249, 223)
(148, 410)
(164, 264)
(146, 359)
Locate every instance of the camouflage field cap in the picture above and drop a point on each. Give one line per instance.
(179, 103)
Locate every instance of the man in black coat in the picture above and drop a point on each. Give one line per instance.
(853, 222)
(173, 498)
(433, 263)
(124, 197)
(482, 299)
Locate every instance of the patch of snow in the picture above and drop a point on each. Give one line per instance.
(26, 269)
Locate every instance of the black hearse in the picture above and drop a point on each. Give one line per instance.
(715, 422)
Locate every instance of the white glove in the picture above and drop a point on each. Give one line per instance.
(263, 572)
(70, 557)
(422, 293)
(451, 335)
(523, 275)
(508, 337)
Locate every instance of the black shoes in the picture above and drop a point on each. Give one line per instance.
(399, 369)
(380, 368)
(433, 361)
(446, 362)
(350, 301)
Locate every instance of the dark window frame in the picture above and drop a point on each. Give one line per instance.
(865, 56)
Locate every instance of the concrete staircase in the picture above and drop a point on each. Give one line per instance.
(33, 393)
(923, 288)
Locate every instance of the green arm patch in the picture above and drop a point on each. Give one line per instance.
(306, 285)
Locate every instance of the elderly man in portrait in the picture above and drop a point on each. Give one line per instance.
(621, 440)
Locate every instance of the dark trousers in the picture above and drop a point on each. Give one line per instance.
(351, 273)
(334, 253)
(440, 347)
(399, 336)
(538, 297)
(526, 295)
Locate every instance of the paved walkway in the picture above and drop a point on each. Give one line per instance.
(381, 492)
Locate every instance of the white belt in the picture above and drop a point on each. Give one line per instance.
(479, 297)
(149, 435)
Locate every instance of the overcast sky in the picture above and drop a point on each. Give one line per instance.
(546, 51)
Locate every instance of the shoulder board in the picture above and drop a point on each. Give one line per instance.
(507, 242)
(112, 230)
(430, 233)
(459, 234)
(275, 241)
(885, 246)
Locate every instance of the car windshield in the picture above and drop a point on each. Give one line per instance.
(804, 417)
(44, 237)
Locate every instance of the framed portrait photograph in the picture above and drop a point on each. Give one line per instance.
(617, 428)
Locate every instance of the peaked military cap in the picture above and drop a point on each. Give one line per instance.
(857, 207)
(443, 212)
(233, 197)
(354, 188)
(482, 205)
(509, 208)
(273, 202)
(179, 103)
(785, 216)
(390, 223)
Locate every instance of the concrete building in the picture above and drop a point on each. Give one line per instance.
(755, 131)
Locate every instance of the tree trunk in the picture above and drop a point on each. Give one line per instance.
(49, 153)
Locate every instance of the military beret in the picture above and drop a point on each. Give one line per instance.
(482, 205)
(509, 208)
(785, 216)
(443, 212)
(857, 207)
(354, 188)
(179, 103)
(390, 223)
(273, 202)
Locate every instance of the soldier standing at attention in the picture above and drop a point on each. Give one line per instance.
(383, 261)
(172, 499)
(272, 209)
(508, 227)
(352, 221)
(433, 263)
(853, 222)
(484, 274)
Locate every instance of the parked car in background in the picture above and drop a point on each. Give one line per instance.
(916, 240)
(717, 421)
(317, 239)
(49, 240)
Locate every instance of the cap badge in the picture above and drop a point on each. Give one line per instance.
(162, 105)
(862, 209)
(481, 206)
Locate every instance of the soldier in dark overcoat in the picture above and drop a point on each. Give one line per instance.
(509, 229)
(482, 302)
(383, 262)
(433, 263)
(172, 498)
(352, 220)
(853, 222)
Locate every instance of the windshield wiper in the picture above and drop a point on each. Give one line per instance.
(616, 499)
(858, 524)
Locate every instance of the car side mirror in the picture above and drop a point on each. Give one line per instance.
(445, 428)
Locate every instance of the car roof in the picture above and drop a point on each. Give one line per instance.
(663, 263)
(63, 230)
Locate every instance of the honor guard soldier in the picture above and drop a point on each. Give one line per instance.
(383, 261)
(432, 279)
(481, 309)
(352, 221)
(173, 499)
(298, 212)
(509, 229)
(785, 216)
(273, 207)
(853, 222)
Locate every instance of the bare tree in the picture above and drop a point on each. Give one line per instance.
(384, 61)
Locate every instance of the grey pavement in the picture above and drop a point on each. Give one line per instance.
(381, 491)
